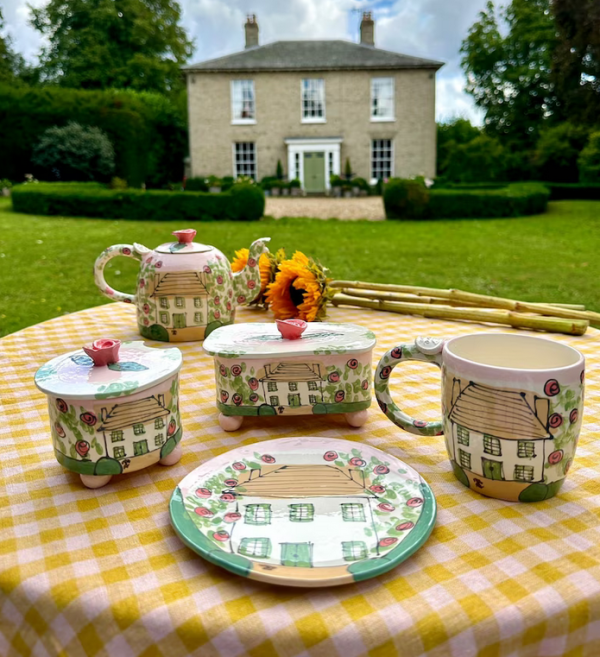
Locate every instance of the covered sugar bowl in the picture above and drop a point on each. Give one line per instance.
(291, 368)
(114, 408)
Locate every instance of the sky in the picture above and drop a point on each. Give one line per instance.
(425, 28)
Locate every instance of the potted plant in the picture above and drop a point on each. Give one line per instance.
(295, 187)
(5, 186)
(347, 191)
(275, 187)
(360, 187)
(336, 183)
(214, 184)
(348, 170)
(279, 170)
(285, 188)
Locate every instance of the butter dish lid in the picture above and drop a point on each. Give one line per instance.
(107, 368)
(259, 340)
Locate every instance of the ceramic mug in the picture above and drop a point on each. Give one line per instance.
(512, 408)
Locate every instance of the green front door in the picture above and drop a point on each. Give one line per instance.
(298, 555)
(492, 469)
(294, 400)
(314, 172)
(178, 320)
(140, 447)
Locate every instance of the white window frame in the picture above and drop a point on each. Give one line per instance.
(392, 156)
(299, 146)
(238, 120)
(312, 119)
(237, 173)
(383, 119)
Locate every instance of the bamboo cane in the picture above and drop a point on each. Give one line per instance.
(500, 316)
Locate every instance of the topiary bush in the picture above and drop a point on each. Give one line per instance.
(74, 152)
(589, 161)
(405, 199)
(240, 203)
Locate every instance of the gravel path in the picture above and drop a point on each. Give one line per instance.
(348, 209)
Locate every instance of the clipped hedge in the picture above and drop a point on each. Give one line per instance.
(463, 203)
(240, 203)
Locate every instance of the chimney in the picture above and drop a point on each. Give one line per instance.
(251, 31)
(367, 29)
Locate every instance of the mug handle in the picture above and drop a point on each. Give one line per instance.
(427, 350)
(127, 250)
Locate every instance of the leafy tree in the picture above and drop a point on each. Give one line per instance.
(576, 68)
(449, 136)
(96, 44)
(589, 161)
(509, 75)
(483, 159)
(557, 151)
(11, 64)
(74, 152)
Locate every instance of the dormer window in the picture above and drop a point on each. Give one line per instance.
(242, 102)
(313, 100)
(382, 99)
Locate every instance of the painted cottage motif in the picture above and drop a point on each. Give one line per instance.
(292, 384)
(499, 435)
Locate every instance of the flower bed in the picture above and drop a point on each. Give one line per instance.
(242, 202)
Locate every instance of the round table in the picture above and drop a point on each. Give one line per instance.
(101, 572)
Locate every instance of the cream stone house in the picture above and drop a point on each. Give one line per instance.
(312, 105)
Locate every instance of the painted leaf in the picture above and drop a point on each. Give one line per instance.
(82, 359)
(127, 366)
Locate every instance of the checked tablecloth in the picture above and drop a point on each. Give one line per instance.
(86, 572)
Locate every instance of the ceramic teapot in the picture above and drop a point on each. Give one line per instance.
(185, 290)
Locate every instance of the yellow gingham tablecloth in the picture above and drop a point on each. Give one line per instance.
(86, 572)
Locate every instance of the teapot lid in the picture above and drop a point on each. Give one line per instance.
(107, 368)
(184, 244)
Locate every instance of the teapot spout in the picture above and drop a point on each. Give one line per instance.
(246, 283)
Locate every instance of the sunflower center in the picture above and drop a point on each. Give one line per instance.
(297, 296)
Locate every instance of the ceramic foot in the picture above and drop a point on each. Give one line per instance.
(95, 481)
(230, 422)
(357, 419)
(173, 457)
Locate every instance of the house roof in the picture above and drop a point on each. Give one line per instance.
(292, 372)
(126, 414)
(499, 413)
(180, 283)
(305, 481)
(312, 56)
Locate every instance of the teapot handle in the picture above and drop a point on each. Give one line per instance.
(126, 250)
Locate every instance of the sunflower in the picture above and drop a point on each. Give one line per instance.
(267, 265)
(299, 289)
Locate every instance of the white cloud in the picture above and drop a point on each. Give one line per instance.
(426, 28)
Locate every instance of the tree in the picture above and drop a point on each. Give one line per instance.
(510, 76)
(11, 64)
(483, 159)
(449, 136)
(557, 151)
(96, 44)
(589, 161)
(576, 67)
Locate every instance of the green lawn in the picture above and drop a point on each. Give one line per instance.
(46, 263)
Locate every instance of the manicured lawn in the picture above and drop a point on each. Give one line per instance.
(46, 263)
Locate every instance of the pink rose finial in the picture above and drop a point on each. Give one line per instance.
(185, 236)
(291, 329)
(104, 351)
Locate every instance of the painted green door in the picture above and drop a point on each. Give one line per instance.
(178, 320)
(314, 172)
(296, 554)
(294, 400)
(492, 469)
(140, 447)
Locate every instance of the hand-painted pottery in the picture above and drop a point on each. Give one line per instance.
(113, 408)
(261, 371)
(304, 511)
(512, 408)
(185, 289)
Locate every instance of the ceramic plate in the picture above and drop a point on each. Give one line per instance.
(304, 511)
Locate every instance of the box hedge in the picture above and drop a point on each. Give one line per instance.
(240, 203)
(410, 199)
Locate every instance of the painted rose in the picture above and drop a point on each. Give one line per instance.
(217, 300)
(230, 293)
(251, 262)
(556, 457)
(158, 265)
(236, 370)
(127, 300)
(567, 465)
(377, 489)
(385, 372)
(251, 285)
(253, 383)
(404, 526)
(203, 492)
(382, 405)
(223, 370)
(224, 396)
(62, 406)
(385, 506)
(415, 501)
(148, 260)
(219, 280)
(555, 420)
(387, 541)
(357, 463)
(231, 483)
(59, 430)
(574, 416)
(381, 469)
(217, 314)
(82, 447)
(88, 418)
(204, 512)
(228, 305)
(146, 308)
(340, 396)
(142, 282)
(551, 388)
(228, 497)
(396, 352)
(109, 291)
(234, 516)
(146, 321)
(171, 428)
(253, 398)
(237, 399)
(365, 384)
(352, 363)
(420, 424)
(221, 536)
(330, 456)
(334, 377)
(126, 251)
(207, 269)
(239, 466)
(267, 458)
(241, 299)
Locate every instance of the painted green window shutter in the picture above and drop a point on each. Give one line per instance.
(353, 512)
(491, 445)
(302, 512)
(526, 449)
(140, 447)
(257, 514)
(464, 459)
(462, 435)
(524, 472)
(354, 550)
(255, 547)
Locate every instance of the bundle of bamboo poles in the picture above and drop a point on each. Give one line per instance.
(466, 306)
